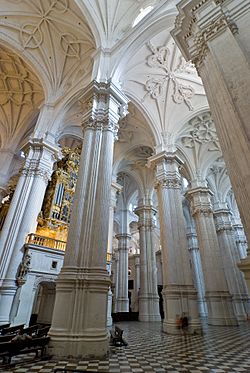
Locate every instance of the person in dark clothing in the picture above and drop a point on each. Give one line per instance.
(184, 324)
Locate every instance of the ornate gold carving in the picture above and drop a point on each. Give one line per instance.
(54, 218)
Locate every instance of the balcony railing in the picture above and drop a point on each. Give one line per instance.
(35, 239)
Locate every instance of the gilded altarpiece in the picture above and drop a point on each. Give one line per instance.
(53, 221)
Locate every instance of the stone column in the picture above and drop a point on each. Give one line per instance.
(6, 158)
(148, 297)
(78, 327)
(235, 280)
(115, 188)
(137, 280)
(178, 292)
(197, 270)
(21, 218)
(214, 35)
(219, 301)
(122, 301)
(240, 238)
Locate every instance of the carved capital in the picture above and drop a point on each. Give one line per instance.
(198, 22)
(200, 201)
(41, 156)
(166, 170)
(146, 215)
(103, 104)
(223, 220)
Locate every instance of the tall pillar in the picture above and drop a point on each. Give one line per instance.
(115, 188)
(148, 296)
(215, 36)
(193, 248)
(80, 314)
(21, 218)
(137, 281)
(178, 292)
(235, 280)
(6, 158)
(240, 238)
(122, 301)
(219, 301)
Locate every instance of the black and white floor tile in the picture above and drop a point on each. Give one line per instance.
(218, 350)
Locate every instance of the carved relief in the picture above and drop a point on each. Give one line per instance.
(55, 34)
(156, 85)
(20, 93)
(201, 130)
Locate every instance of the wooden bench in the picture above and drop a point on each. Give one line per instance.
(4, 326)
(116, 337)
(42, 331)
(13, 348)
(13, 329)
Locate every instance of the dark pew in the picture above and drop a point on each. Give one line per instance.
(13, 329)
(4, 326)
(26, 346)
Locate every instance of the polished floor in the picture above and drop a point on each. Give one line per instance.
(218, 350)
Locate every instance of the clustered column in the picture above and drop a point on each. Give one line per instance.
(178, 293)
(122, 301)
(148, 295)
(80, 313)
(21, 220)
(213, 35)
(193, 248)
(115, 188)
(219, 301)
(230, 257)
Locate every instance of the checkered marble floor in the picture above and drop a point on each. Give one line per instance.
(220, 349)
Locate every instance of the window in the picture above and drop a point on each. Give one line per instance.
(142, 14)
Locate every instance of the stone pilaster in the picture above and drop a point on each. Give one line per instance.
(148, 297)
(122, 301)
(218, 298)
(178, 292)
(197, 270)
(80, 314)
(230, 257)
(213, 35)
(21, 219)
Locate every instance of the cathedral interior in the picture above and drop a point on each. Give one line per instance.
(125, 185)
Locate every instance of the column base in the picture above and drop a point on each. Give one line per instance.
(220, 309)
(122, 305)
(75, 346)
(179, 299)
(78, 328)
(194, 328)
(7, 296)
(149, 308)
(240, 302)
(244, 266)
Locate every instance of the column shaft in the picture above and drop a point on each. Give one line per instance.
(80, 313)
(235, 280)
(21, 219)
(219, 301)
(122, 301)
(148, 296)
(178, 293)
